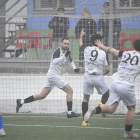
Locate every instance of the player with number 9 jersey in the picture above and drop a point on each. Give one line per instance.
(95, 61)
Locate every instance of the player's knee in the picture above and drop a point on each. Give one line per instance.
(70, 91)
(86, 98)
(131, 108)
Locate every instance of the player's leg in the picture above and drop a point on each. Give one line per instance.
(128, 97)
(104, 99)
(2, 133)
(129, 123)
(69, 91)
(42, 95)
(88, 89)
(85, 104)
(114, 99)
(85, 108)
(100, 109)
(102, 89)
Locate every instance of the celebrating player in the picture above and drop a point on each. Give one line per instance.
(2, 133)
(59, 57)
(95, 60)
(122, 87)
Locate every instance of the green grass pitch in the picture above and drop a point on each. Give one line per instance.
(58, 127)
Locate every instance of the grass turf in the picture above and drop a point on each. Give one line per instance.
(58, 127)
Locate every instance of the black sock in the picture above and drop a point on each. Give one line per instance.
(84, 108)
(128, 127)
(98, 110)
(105, 97)
(29, 99)
(69, 106)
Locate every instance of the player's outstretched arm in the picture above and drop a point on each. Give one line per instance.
(81, 38)
(74, 67)
(107, 49)
(107, 70)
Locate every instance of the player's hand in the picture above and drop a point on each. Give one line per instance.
(67, 52)
(82, 32)
(99, 44)
(77, 70)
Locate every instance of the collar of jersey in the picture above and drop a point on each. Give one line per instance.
(95, 47)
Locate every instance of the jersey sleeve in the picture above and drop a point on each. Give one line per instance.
(56, 57)
(56, 53)
(82, 48)
(120, 53)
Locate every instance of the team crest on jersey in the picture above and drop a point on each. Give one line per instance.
(95, 48)
(134, 52)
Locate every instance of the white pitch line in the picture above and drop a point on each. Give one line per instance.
(65, 117)
(66, 126)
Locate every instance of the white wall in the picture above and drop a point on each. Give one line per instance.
(20, 87)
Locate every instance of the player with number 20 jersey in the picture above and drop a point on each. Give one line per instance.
(129, 67)
(122, 87)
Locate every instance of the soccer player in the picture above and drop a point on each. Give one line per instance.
(2, 133)
(95, 61)
(59, 57)
(122, 87)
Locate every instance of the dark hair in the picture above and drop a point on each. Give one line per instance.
(136, 44)
(61, 9)
(106, 4)
(93, 38)
(64, 38)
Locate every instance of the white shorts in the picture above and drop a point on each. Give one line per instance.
(55, 80)
(97, 81)
(119, 91)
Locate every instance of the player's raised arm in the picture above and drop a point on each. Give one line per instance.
(107, 49)
(81, 38)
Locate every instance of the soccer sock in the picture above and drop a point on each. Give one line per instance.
(1, 122)
(98, 110)
(22, 101)
(84, 108)
(69, 106)
(105, 97)
(128, 128)
(29, 99)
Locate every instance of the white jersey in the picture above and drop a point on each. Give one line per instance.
(57, 67)
(95, 60)
(129, 67)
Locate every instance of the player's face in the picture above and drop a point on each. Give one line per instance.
(60, 13)
(106, 9)
(65, 44)
(85, 14)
